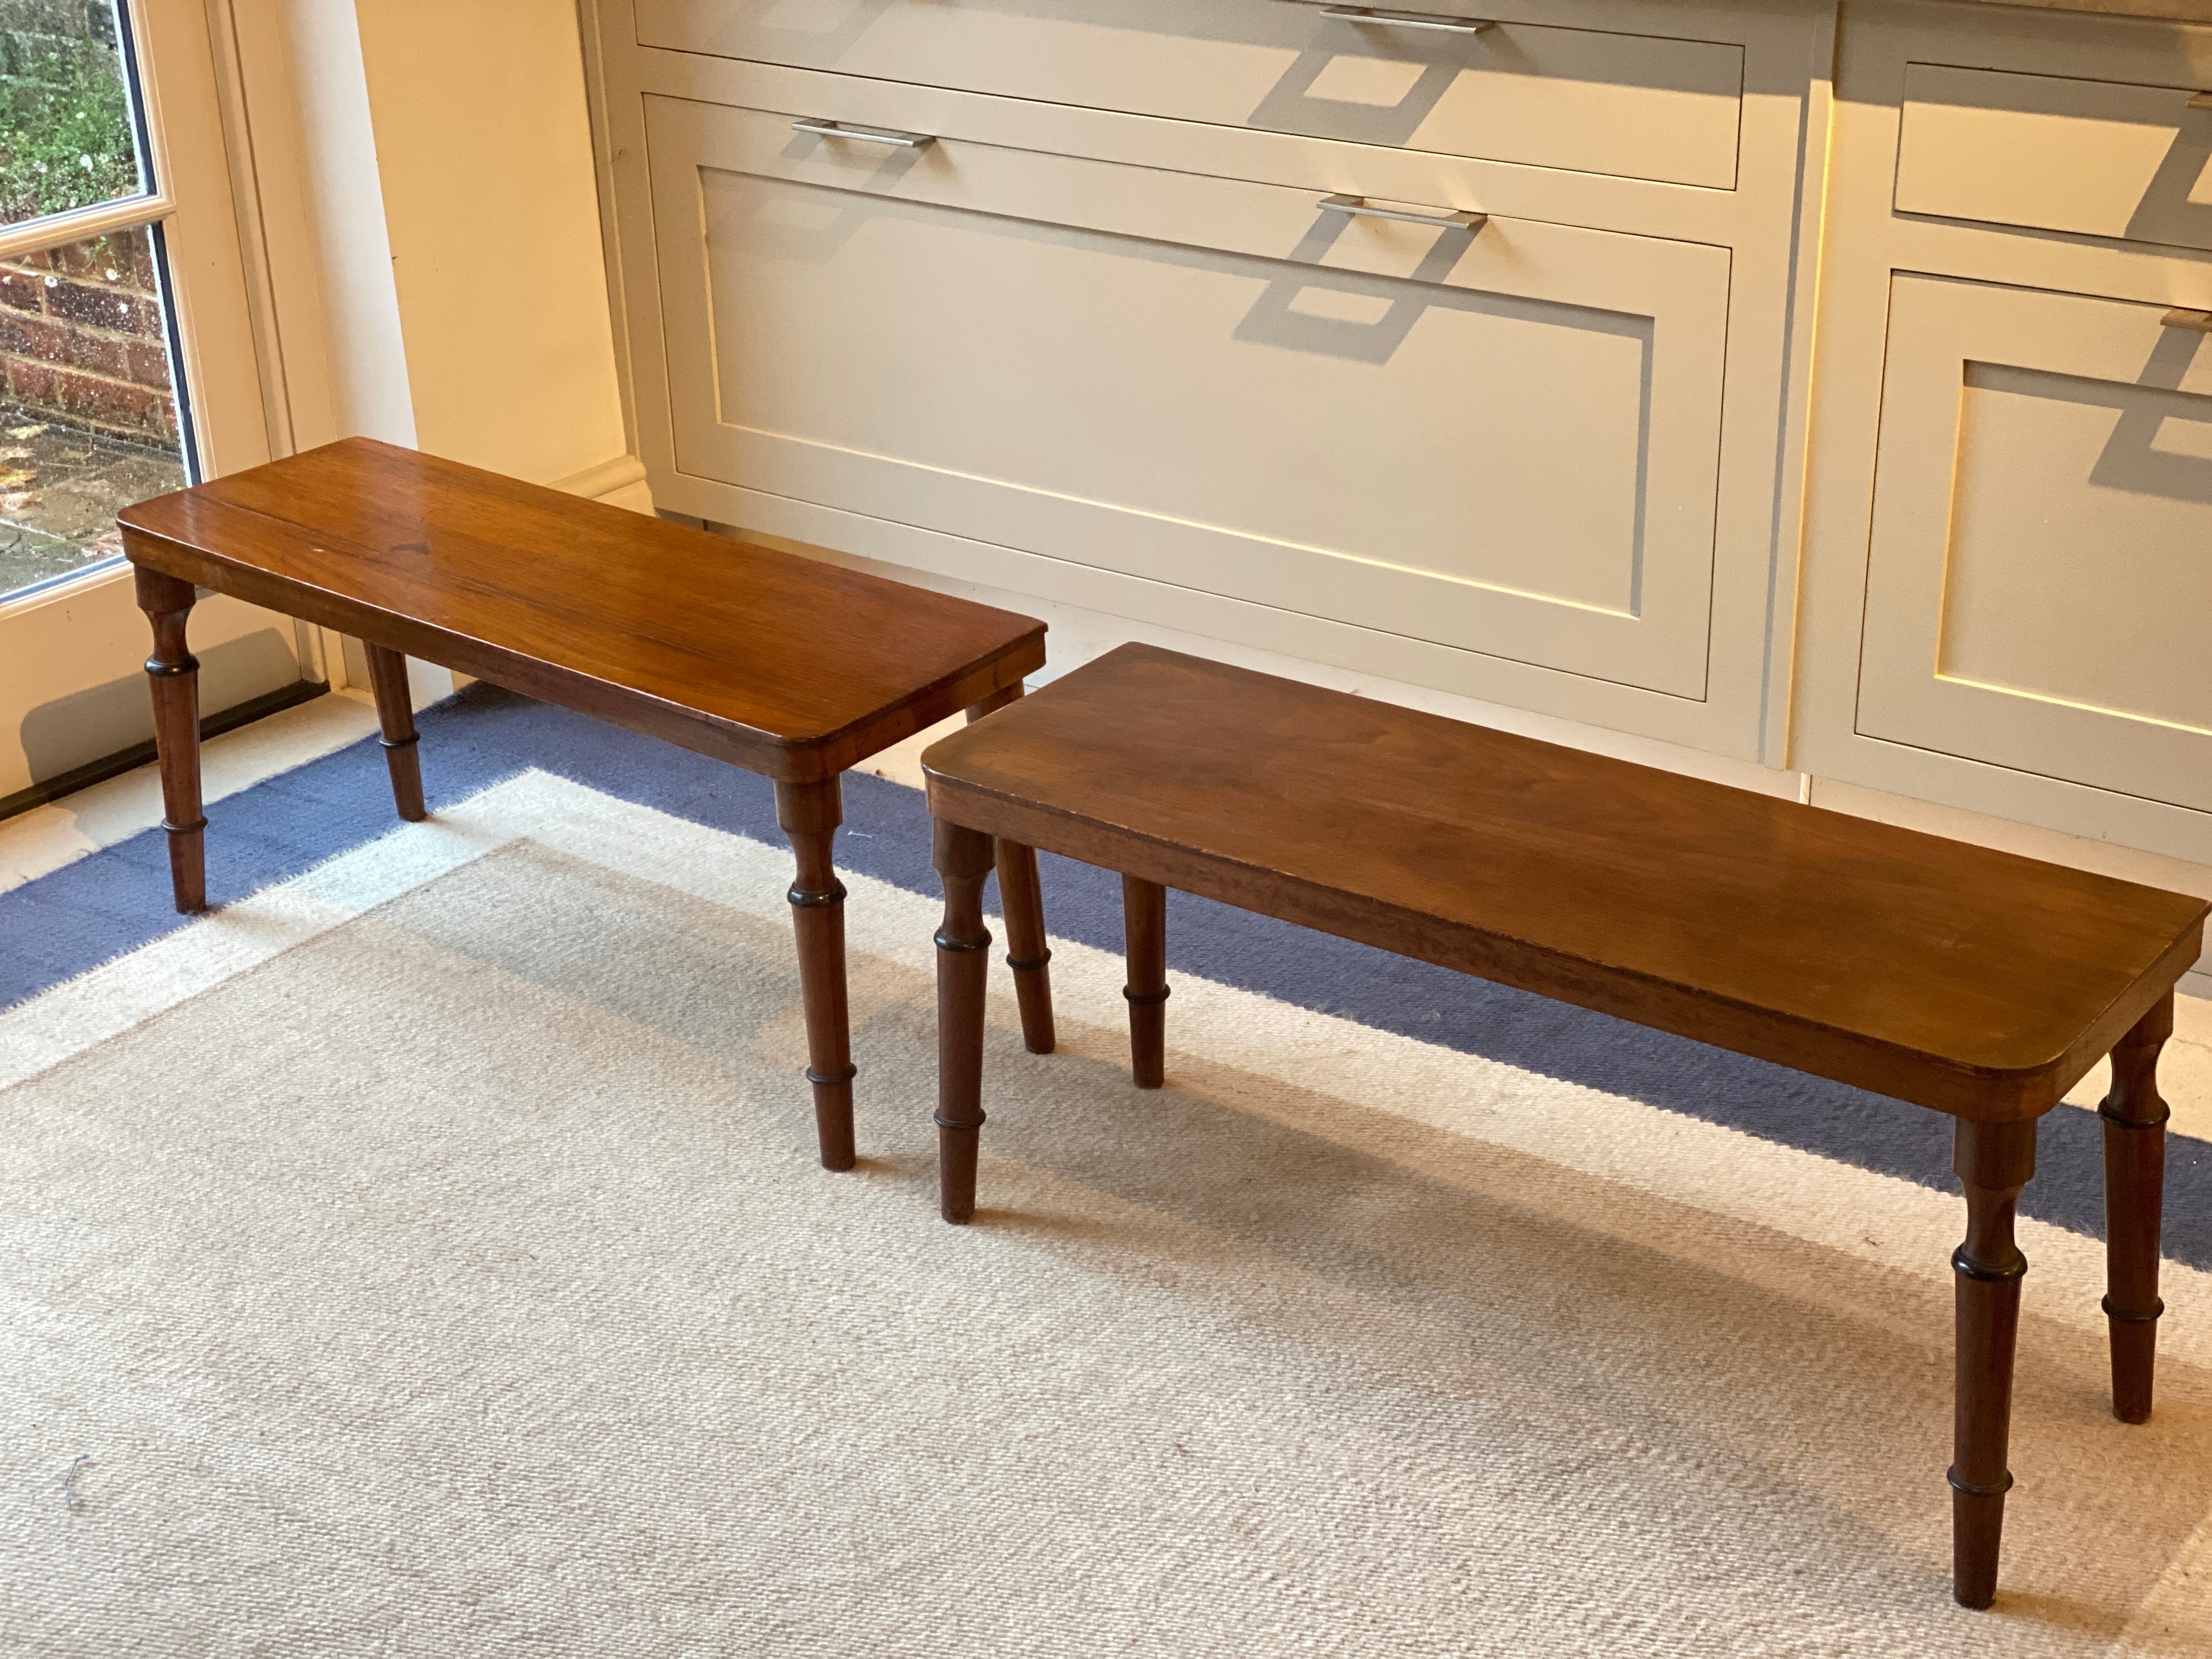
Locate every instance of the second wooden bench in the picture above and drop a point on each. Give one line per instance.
(1976, 982)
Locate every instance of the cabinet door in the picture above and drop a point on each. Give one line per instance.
(2039, 593)
(2104, 158)
(1503, 438)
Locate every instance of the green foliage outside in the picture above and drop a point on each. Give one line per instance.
(65, 138)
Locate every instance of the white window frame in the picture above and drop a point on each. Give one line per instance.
(84, 633)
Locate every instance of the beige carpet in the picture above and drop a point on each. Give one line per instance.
(430, 1258)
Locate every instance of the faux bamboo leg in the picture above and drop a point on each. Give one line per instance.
(1027, 953)
(963, 860)
(395, 712)
(1994, 1160)
(2135, 1179)
(173, 674)
(1144, 932)
(809, 814)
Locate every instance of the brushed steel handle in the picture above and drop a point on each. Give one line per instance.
(1408, 20)
(2178, 318)
(1356, 206)
(866, 135)
(2202, 100)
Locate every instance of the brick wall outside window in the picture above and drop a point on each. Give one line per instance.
(81, 334)
(81, 341)
(33, 30)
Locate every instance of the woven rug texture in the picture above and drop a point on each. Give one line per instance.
(426, 1255)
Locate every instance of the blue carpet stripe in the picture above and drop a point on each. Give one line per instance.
(116, 900)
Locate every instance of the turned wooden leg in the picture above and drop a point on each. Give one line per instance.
(1994, 1161)
(809, 814)
(1145, 930)
(395, 712)
(963, 860)
(2135, 1180)
(1027, 953)
(174, 675)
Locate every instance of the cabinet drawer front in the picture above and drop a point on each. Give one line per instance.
(1503, 440)
(2039, 587)
(2098, 157)
(1637, 106)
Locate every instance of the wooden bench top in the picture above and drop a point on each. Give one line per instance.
(1978, 983)
(782, 664)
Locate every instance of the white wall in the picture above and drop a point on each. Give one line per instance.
(484, 149)
(420, 213)
(421, 184)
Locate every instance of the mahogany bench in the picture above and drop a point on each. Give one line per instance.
(783, 665)
(1976, 982)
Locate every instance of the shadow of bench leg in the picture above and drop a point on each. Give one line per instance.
(1994, 1160)
(173, 674)
(809, 814)
(395, 713)
(2135, 1180)
(1144, 932)
(963, 860)
(1027, 953)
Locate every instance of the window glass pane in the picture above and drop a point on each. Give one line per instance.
(87, 412)
(67, 139)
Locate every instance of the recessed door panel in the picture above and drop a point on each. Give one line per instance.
(2040, 585)
(1502, 437)
(2104, 158)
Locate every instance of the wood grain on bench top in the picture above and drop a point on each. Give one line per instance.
(783, 664)
(1975, 981)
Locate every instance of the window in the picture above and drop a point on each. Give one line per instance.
(90, 418)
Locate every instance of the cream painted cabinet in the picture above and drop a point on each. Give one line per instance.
(1502, 437)
(2007, 602)
(2039, 580)
(1085, 302)
(1926, 513)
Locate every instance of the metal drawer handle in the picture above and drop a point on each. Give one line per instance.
(2199, 320)
(1356, 206)
(866, 135)
(1408, 20)
(2202, 100)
